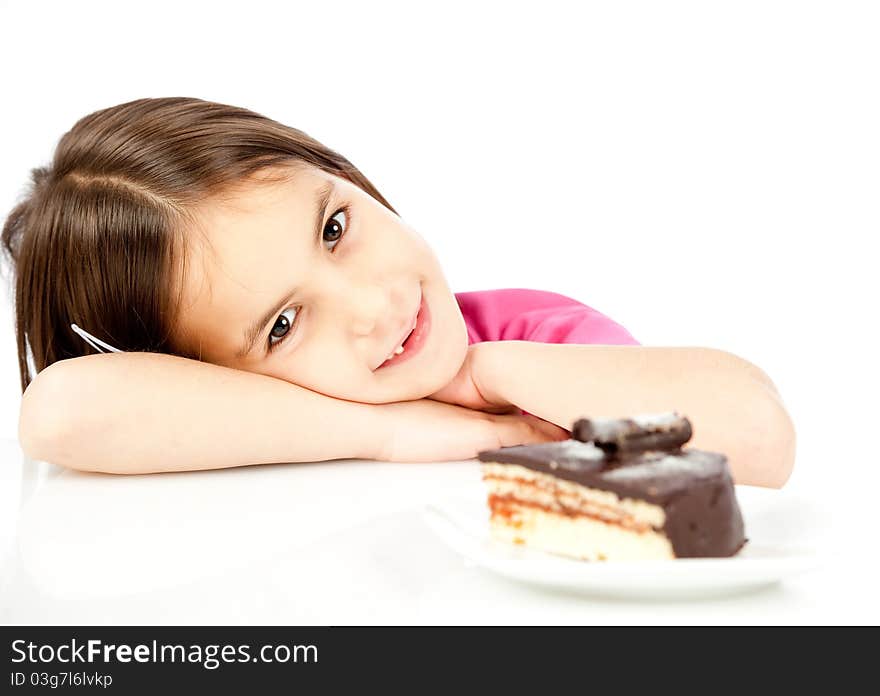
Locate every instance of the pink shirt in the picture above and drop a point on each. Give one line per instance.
(517, 314)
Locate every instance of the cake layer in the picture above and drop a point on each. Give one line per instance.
(583, 538)
(566, 497)
(562, 517)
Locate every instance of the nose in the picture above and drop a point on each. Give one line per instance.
(367, 309)
(364, 303)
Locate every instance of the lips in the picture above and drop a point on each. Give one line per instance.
(413, 340)
(412, 326)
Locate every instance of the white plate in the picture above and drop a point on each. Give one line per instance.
(778, 528)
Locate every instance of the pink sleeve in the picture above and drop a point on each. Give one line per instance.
(555, 318)
(568, 324)
(519, 314)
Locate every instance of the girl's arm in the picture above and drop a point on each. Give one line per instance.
(133, 413)
(149, 412)
(732, 405)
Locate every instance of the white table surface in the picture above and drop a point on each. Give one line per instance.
(329, 543)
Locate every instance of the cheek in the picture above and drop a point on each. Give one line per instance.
(335, 377)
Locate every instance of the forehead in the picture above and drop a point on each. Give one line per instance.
(241, 248)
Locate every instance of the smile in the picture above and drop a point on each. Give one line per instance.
(413, 343)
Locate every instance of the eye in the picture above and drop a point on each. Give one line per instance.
(283, 326)
(339, 229)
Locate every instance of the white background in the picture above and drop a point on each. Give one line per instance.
(703, 173)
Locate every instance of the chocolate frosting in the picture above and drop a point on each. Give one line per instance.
(694, 487)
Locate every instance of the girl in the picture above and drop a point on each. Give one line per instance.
(202, 287)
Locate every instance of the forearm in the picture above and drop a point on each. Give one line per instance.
(147, 412)
(731, 410)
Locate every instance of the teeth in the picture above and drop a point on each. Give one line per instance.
(397, 351)
(400, 348)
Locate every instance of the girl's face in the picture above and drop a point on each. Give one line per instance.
(315, 282)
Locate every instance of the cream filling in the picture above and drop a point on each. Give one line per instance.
(567, 496)
(579, 537)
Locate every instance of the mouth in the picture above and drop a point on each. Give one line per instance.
(414, 340)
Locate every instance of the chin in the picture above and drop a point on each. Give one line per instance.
(392, 394)
(447, 371)
(425, 384)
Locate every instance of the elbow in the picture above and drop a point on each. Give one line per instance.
(787, 449)
(763, 454)
(43, 422)
(772, 449)
(723, 358)
(34, 416)
(776, 443)
(776, 437)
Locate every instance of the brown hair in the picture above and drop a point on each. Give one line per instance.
(99, 236)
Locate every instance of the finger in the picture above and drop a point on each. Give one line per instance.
(502, 410)
(550, 429)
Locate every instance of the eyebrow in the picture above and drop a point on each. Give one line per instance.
(255, 330)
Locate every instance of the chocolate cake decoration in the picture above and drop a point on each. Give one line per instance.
(620, 436)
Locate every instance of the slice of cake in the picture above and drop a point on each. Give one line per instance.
(619, 489)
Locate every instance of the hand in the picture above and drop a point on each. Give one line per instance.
(465, 389)
(429, 431)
